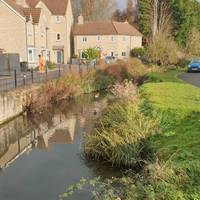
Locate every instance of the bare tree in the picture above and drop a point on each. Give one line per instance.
(159, 15)
(119, 16)
(97, 9)
(76, 8)
(130, 15)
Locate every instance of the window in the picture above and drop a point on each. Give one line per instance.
(112, 38)
(57, 19)
(84, 39)
(123, 53)
(98, 38)
(58, 37)
(31, 55)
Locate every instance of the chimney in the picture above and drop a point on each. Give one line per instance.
(22, 3)
(80, 19)
(126, 21)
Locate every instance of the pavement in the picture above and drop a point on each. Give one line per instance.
(191, 78)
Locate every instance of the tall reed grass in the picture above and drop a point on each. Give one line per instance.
(119, 137)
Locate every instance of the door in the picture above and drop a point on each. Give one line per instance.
(59, 57)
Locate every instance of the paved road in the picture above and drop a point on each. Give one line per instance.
(192, 78)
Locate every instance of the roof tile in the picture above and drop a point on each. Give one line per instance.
(106, 28)
(33, 12)
(57, 7)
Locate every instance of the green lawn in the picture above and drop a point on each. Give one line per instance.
(169, 76)
(177, 147)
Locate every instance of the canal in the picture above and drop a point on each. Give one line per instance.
(41, 155)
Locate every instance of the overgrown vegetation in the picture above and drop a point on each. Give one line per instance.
(170, 167)
(71, 85)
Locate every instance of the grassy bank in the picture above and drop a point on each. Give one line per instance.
(157, 133)
(176, 147)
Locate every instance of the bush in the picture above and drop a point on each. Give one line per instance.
(193, 41)
(120, 135)
(51, 65)
(137, 52)
(132, 69)
(102, 81)
(90, 53)
(162, 50)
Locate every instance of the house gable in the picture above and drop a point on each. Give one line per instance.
(14, 8)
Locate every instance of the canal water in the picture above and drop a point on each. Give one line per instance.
(40, 156)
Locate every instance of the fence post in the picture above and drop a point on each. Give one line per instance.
(24, 79)
(32, 79)
(46, 71)
(79, 68)
(15, 77)
(70, 67)
(59, 73)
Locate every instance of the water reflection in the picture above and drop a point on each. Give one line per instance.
(58, 126)
(41, 155)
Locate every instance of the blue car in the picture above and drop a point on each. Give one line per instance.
(194, 65)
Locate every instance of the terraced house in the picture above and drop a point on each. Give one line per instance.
(33, 27)
(114, 39)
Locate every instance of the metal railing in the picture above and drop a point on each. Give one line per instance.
(16, 80)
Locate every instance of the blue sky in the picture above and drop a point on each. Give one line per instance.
(121, 3)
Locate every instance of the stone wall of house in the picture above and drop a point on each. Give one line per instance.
(12, 32)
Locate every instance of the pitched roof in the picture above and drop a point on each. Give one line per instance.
(25, 12)
(15, 7)
(33, 12)
(126, 29)
(106, 28)
(57, 7)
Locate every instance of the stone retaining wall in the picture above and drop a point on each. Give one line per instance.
(13, 103)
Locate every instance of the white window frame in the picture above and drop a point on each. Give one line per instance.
(84, 39)
(112, 38)
(31, 59)
(123, 53)
(58, 40)
(57, 19)
(98, 38)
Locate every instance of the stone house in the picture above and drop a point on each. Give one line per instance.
(111, 38)
(13, 29)
(41, 27)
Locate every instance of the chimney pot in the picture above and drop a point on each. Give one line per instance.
(80, 19)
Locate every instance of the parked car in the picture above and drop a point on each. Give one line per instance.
(194, 65)
(109, 59)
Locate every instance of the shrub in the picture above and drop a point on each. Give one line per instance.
(162, 50)
(192, 42)
(132, 69)
(51, 65)
(137, 52)
(120, 135)
(102, 81)
(90, 53)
